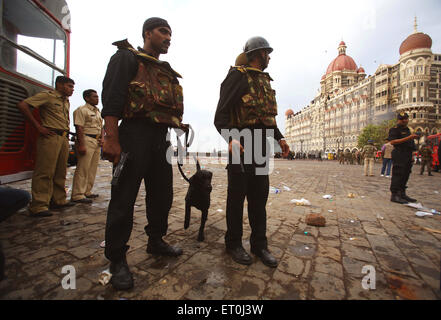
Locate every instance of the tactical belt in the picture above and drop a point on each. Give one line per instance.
(96, 136)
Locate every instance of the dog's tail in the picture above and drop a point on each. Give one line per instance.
(182, 173)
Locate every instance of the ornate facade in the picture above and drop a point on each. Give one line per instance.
(348, 101)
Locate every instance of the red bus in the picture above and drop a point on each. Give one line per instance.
(34, 50)
(433, 142)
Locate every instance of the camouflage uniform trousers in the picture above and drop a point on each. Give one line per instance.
(427, 162)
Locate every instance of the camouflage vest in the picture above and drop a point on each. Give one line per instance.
(259, 104)
(369, 151)
(155, 92)
(426, 153)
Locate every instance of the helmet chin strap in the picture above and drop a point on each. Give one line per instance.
(262, 60)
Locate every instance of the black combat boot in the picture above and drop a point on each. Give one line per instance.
(239, 255)
(160, 247)
(266, 257)
(397, 198)
(405, 197)
(122, 278)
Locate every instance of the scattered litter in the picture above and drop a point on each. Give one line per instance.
(164, 281)
(274, 190)
(351, 195)
(423, 214)
(306, 232)
(289, 169)
(327, 196)
(436, 192)
(420, 207)
(306, 248)
(103, 244)
(352, 221)
(425, 228)
(415, 205)
(352, 239)
(219, 210)
(432, 230)
(277, 172)
(330, 211)
(286, 188)
(363, 197)
(270, 203)
(65, 223)
(202, 167)
(182, 178)
(301, 202)
(105, 277)
(379, 217)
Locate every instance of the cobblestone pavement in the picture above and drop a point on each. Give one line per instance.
(315, 262)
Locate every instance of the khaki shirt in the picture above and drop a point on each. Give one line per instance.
(54, 109)
(88, 117)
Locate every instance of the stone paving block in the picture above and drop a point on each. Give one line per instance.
(382, 244)
(328, 266)
(326, 287)
(355, 253)
(171, 287)
(381, 291)
(291, 290)
(291, 265)
(329, 252)
(82, 286)
(409, 289)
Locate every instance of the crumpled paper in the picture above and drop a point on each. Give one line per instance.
(105, 277)
(301, 202)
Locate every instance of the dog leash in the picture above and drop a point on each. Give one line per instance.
(181, 149)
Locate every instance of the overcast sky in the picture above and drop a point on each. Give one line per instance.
(208, 36)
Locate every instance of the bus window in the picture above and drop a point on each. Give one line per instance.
(31, 43)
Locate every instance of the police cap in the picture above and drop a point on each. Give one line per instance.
(402, 116)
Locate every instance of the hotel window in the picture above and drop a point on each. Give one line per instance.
(414, 99)
(422, 99)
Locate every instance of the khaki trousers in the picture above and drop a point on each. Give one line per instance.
(368, 162)
(85, 172)
(49, 177)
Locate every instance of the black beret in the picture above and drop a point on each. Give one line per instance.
(152, 23)
(402, 115)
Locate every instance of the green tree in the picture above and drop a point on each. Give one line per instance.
(378, 133)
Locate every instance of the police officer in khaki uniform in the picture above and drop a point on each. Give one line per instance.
(368, 153)
(145, 93)
(49, 177)
(248, 103)
(426, 159)
(89, 128)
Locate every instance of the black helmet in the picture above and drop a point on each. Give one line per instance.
(256, 43)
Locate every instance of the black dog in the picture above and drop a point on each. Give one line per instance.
(198, 195)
